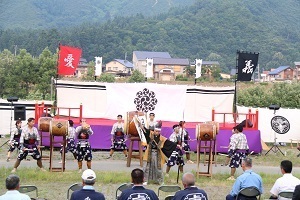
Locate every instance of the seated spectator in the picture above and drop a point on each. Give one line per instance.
(190, 190)
(12, 183)
(296, 194)
(88, 191)
(138, 191)
(287, 182)
(247, 179)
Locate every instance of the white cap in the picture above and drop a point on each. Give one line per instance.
(88, 175)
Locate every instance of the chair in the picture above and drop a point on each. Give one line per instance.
(249, 192)
(169, 197)
(74, 187)
(123, 187)
(29, 188)
(168, 188)
(286, 194)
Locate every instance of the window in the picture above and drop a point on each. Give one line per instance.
(109, 68)
(115, 68)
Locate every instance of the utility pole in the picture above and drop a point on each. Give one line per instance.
(15, 47)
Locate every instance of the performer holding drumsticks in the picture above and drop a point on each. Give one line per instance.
(186, 137)
(177, 155)
(118, 137)
(29, 143)
(83, 148)
(70, 140)
(14, 141)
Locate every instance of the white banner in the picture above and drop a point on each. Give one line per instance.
(166, 101)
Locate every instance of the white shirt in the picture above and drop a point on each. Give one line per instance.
(287, 182)
(14, 195)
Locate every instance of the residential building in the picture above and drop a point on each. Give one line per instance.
(297, 70)
(281, 73)
(81, 68)
(119, 67)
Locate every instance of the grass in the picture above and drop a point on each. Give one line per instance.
(55, 185)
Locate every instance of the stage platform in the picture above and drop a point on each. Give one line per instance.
(100, 140)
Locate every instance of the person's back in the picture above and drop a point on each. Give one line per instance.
(190, 190)
(137, 191)
(87, 192)
(12, 185)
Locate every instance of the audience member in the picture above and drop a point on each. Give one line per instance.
(296, 195)
(12, 183)
(247, 179)
(190, 190)
(138, 191)
(287, 182)
(88, 191)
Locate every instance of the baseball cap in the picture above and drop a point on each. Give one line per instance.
(88, 175)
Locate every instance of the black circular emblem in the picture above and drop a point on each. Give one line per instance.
(59, 125)
(280, 124)
(145, 100)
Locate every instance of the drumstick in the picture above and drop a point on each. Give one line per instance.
(224, 147)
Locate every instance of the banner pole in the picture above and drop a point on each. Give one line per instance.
(235, 89)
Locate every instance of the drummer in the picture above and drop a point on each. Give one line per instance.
(83, 147)
(70, 140)
(151, 121)
(29, 143)
(177, 155)
(14, 141)
(118, 137)
(186, 137)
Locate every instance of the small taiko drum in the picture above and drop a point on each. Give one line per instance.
(216, 124)
(206, 132)
(44, 124)
(131, 124)
(59, 127)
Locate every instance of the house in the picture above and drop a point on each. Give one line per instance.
(297, 70)
(166, 69)
(139, 59)
(210, 63)
(281, 73)
(119, 67)
(82, 68)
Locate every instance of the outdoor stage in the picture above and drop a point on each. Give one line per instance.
(100, 140)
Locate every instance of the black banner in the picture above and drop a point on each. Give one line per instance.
(247, 63)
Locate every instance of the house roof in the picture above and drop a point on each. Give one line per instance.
(210, 63)
(83, 60)
(278, 70)
(171, 61)
(126, 63)
(297, 63)
(142, 55)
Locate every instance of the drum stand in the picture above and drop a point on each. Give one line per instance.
(42, 147)
(210, 148)
(139, 155)
(63, 154)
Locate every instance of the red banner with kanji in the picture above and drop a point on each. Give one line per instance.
(68, 60)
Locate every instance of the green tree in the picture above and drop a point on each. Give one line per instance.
(136, 77)
(108, 78)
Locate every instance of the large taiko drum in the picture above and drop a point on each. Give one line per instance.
(206, 132)
(131, 122)
(216, 124)
(59, 127)
(44, 124)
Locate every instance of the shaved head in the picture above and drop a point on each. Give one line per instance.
(188, 179)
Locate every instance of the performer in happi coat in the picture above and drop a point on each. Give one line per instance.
(158, 147)
(118, 137)
(83, 147)
(71, 147)
(186, 138)
(29, 143)
(14, 141)
(177, 155)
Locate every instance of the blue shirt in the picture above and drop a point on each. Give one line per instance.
(190, 193)
(87, 192)
(138, 192)
(14, 195)
(247, 179)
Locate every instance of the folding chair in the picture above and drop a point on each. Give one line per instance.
(74, 187)
(29, 188)
(169, 197)
(168, 188)
(286, 194)
(123, 187)
(249, 192)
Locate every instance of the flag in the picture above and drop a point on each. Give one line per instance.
(149, 67)
(198, 63)
(247, 63)
(98, 66)
(68, 60)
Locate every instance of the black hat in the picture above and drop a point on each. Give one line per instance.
(158, 125)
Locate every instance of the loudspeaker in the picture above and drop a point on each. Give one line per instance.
(19, 112)
(11, 99)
